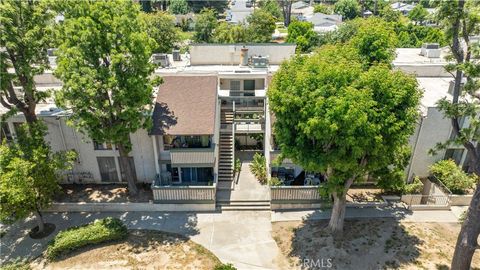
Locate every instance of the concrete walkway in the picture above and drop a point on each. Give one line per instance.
(241, 238)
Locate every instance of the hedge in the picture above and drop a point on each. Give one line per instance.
(99, 231)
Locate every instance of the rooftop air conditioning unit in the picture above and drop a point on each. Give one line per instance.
(430, 50)
(160, 59)
(259, 62)
(176, 55)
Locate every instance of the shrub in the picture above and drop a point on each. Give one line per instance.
(238, 165)
(259, 168)
(274, 181)
(16, 265)
(225, 266)
(447, 172)
(99, 231)
(413, 188)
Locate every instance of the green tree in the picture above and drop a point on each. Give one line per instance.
(205, 23)
(272, 7)
(260, 26)
(322, 8)
(349, 9)
(103, 62)
(418, 14)
(390, 15)
(179, 7)
(460, 20)
(230, 33)
(198, 5)
(160, 27)
(286, 6)
(26, 36)
(29, 174)
(303, 35)
(335, 117)
(375, 41)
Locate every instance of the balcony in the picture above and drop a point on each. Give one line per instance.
(192, 157)
(242, 93)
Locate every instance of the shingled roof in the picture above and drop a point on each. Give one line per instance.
(185, 105)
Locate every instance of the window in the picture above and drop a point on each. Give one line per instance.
(235, 85)
(5, 133)
(193, 175)
(170, 142)
(122, 170)
(455, 154)
(108, 170)
(461, 122)
(249, 88)
(101, 146)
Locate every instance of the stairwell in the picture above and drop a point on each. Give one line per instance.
(226, 162)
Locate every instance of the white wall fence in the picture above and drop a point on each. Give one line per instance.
(295, 197)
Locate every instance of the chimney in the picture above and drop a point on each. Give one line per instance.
(244, 56)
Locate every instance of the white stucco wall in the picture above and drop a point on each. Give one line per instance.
(86, 164)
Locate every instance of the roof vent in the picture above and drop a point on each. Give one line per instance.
(430, 50)
(160, 59)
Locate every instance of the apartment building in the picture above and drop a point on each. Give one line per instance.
(212, 105)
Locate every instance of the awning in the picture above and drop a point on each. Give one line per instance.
(192, 157)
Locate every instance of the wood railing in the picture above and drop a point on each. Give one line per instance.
(295, 193)
(184, 194)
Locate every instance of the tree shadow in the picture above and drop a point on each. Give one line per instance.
(17, 244)
(366, 244)
(163, 118)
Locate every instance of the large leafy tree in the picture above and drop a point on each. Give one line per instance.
(286, 6)
(161, 28)
(104, 65)
(302, 34)
(336, 117)
(29, 174)
(179, 7)
(261, 25)
(230, 33)
(272, 7)
(349, 9)
(418, 14)
(198, 5)
(205, 23)
(461, 19)
(25, 38)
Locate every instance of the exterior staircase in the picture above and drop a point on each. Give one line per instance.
(226, 162)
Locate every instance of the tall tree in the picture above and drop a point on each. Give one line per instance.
(349, 9)
(161, 28)
(29, 174)
(179, 7)
(272, 7)
(286, 10)
(260, 26)
(25, 38)
(230, 33)
(205, 23)
(335, 117)
(418, 14)
(302, 34)
(103, 62)
(461, 19)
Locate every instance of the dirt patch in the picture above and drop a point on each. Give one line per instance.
(142, 249)
(369, 244)
(102, 193)
(364, 195)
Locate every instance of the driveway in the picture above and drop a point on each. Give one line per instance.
(241, 238)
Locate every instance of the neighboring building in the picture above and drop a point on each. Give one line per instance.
(427, 64)
(301, 10)
(402, 7)
(325, 22)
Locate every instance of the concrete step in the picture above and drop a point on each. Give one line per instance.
(242, 208)
(224, 185)
(242, 203)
